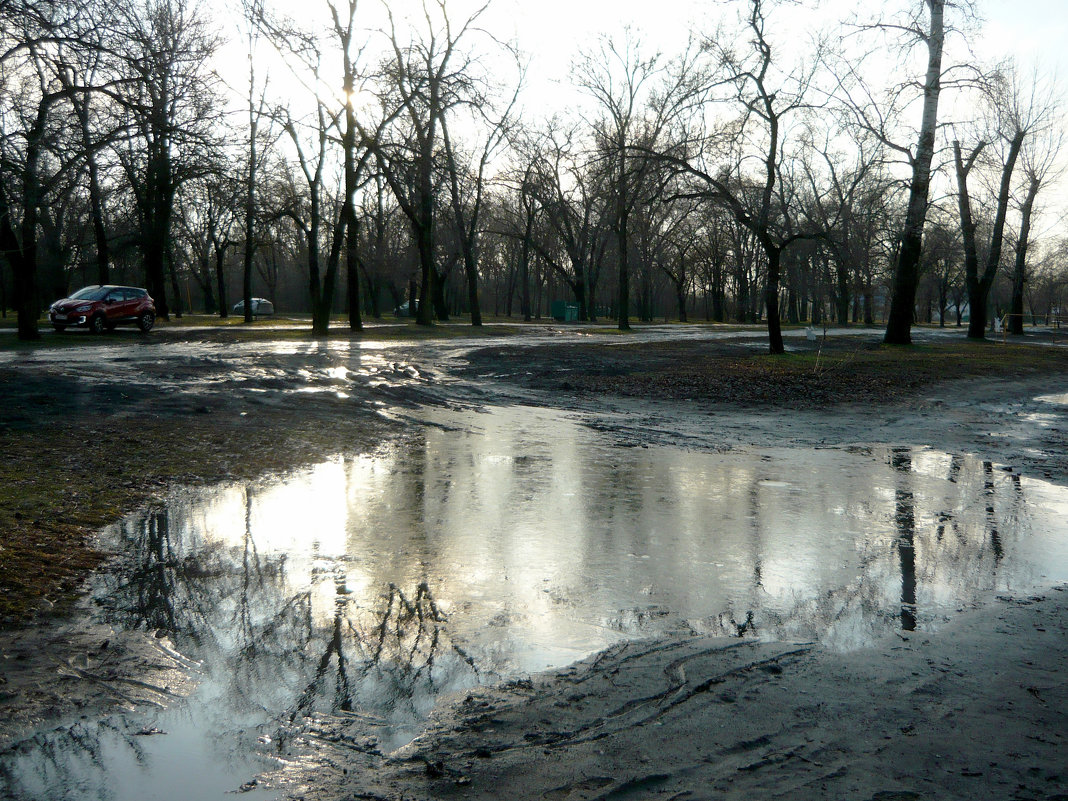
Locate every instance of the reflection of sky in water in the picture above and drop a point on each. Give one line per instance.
(507, 542)
(545, 535)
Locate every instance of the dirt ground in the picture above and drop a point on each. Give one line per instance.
(978, 709)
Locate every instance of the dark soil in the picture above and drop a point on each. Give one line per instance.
(815, 376)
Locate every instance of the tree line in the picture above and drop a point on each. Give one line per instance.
(359, 159)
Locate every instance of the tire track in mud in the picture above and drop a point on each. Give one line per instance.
(897, 720)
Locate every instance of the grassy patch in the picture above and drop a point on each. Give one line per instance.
(61, 482)
(846, 373)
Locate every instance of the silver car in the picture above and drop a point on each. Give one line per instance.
(260, 307)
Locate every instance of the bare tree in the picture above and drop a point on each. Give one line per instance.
(169, 95)
(208, 221)
(1040, 161)
(571, 198)
(849, 202)
(766, 98)
(924, 26)
(355, 151)
(637, 99)
(429, 75)
(305, 208)
(907, 268)
(84, 72)
(1018, 113)
(253, 13)
(466, 177)
(31, 92)
(666, 244)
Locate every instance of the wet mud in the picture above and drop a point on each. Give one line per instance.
(525, 523)
(916, 716)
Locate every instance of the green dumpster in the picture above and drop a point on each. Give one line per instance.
(563, 312)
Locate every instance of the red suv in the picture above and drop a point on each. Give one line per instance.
(104, 307)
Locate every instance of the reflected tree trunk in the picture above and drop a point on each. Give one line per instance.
(991, 511)
(905, 519)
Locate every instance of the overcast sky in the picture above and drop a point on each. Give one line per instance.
(1035, 32)
(554, 29)
(553, 32)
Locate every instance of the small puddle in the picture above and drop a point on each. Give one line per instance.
(509, 542)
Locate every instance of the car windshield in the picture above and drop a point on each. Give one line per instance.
(90, 293)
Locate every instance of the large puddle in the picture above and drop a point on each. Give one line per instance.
(498, 544)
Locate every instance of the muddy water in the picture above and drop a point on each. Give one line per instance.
(501, 543)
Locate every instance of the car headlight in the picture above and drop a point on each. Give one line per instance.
(83, 308)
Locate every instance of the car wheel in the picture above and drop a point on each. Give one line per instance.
(97, 324)
(58, 327)
(145, 321)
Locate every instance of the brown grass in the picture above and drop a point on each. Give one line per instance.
(856, 373)
(61, 482)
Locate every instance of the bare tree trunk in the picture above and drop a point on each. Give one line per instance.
(203, 276)
(220, 280)
(441, 306)
(352, 239)
(352, 273)
(979, 285)
(907, 269)
(96, 201)
(771, 302)
(524, 268)
(172, 270)
(24, 274)
(157, 224)
(622, 215)
(471, 269)
(425, 241)
(24, 254)
(250, 217)
(1019, 277)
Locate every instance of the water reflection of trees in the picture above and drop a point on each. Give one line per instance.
(390, 661)
(40, 766)
(949, 522)
(905, 520)
(933, 531)
(269, 656)
(263, 640)
(271, 647)
(954, 541)
(205, 594)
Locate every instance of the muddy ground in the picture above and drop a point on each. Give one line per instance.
(977, 709)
